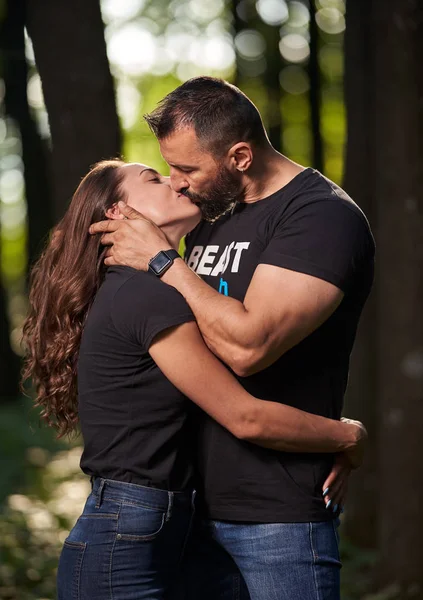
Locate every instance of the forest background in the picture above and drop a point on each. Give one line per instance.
(340, 88)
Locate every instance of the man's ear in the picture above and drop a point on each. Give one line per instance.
(114, 213)
(241, 156)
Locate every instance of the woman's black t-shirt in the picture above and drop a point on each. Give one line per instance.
(133, 420)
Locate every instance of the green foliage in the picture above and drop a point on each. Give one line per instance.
(140, 145)
(356, 575)
(28, 563)
(21, 434)
(42, 493)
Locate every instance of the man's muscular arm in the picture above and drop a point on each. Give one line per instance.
(252, 335)
(280, 309)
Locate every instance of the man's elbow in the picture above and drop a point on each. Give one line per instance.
(246, 362)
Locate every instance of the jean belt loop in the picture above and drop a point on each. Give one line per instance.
(100, 493)
(169, 506)
(194, 493)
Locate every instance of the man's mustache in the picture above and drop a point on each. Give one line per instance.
(193, 197)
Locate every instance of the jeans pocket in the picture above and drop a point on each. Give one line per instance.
(138, 523)
(69, 570)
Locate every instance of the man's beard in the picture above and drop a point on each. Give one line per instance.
(220, 198)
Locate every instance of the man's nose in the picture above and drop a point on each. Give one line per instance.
(178, 181)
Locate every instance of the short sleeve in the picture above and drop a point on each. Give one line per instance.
(144, 306)
(327, 239)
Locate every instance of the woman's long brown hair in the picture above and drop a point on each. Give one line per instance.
(63, 284)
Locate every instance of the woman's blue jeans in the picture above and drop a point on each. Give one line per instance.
(126, 545)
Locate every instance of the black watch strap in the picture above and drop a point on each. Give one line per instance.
(160, 263)
(172, 254)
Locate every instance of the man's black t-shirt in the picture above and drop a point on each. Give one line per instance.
(133, 420)
(313, 227)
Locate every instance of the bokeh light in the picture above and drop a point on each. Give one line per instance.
(273, 12)
(250, 44)
(294, 48)
(330, 20)
(294, 80)
(132, 49)
(113, 10)
(299, 15)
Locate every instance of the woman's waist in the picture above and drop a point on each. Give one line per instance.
(140, 495)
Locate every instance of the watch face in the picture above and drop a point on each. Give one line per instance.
(160, 262)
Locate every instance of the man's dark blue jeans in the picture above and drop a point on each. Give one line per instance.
(272, 561)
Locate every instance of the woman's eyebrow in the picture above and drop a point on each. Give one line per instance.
(151, 170)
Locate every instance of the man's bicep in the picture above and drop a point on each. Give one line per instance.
(284, 307)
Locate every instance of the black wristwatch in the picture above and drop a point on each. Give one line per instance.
(160, 263)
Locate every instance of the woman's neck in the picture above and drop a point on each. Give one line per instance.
(174, 235)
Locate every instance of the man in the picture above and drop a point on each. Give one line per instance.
(286, 263)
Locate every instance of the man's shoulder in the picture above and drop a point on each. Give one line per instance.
(322, 199)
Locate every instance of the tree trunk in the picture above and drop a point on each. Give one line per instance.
(250, 19)
(10, 32)
(237, 26)
(361, 400)
(385, 154)
(34, 150)
(398, 128)
(70, 53)
(9, 362)
(315, 91)
(272, 83)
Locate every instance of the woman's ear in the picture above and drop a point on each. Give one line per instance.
(114, 213)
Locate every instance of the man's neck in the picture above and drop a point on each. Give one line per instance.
(270, 172)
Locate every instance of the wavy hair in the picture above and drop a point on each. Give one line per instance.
(63, 284)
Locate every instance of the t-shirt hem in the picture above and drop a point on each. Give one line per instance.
(301, 266)
(171, 322)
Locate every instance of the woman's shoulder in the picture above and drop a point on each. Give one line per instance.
(127, 280)
(143, 305)
(135, 289)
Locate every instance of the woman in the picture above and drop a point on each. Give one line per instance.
(119, 352)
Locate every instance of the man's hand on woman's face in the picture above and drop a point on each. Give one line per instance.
(133, 241)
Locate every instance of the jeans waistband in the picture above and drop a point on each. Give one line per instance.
(145, 496)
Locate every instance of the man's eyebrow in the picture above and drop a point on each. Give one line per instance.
(181, 166)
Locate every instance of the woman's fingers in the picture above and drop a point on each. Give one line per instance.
(336, 484)
(333, 475)
(337, 494)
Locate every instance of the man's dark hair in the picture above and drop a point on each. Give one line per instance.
(219, 112)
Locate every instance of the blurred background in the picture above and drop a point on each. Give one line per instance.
(340, 88)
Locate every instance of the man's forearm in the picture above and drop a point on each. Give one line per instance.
(219, 317)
